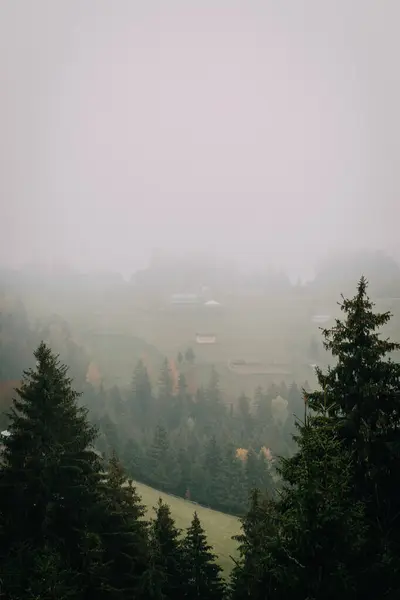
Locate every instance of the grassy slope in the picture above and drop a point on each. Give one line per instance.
(219, 527)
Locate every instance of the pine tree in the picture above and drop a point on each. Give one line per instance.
(50, 493)
(202, 579)
(245, 418)
(141, 401)
(190, 356)
(306, 543)
(235, 497)
(178, 409)
(132, 459)
(49, 579)
(252, 471)
(362, 396)
(110, 434)
(158, 459)
(249, 575)
(321, 527)
(167, 558)
(165, 383)
(215, 474)
(124, 536)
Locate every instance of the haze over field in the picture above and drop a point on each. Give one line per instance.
(199, 299)
(265, 132)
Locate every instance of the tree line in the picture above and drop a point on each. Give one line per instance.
(196, 446)
(332, 530)
(72, 526)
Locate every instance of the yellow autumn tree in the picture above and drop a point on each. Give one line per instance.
(241, 454)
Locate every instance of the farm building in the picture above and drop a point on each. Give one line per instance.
(206, 338)
(212, 304)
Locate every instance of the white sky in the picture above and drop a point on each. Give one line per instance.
(264, 130)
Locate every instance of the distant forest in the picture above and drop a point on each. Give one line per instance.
(193, 441)
(319, 522)
(191, 445)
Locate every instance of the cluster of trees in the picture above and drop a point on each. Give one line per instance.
(333, 530)
(72, 526)
(189, 445)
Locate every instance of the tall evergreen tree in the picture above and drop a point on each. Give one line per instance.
(158, 459)
(133, 459)
(124, 537)
(361, 394)
(167, 558)
(141, 401)
(165, 383)
(50, 493)
(202, 578)
(235, 496)
(306, 543)
(321, 527)
(252, 471)
(216, 473)
(249, 575)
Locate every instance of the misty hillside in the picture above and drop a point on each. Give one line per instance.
(199, 300)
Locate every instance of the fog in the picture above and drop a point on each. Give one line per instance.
(263, 131)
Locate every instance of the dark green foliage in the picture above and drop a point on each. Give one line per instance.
(158, 458)
(361, 394)
(124, 537)
(109, 433)
(68, 529)
(49, 579)
(202, 576)
(249, 576)
(235, 492)
(141, 400)
(72, 528)
(49, 483)
(254, 471)
(321, 528)
(333, 530)
(167, 558)
(186, 445)
(215, 473)
(133, 459)
(306, 544)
